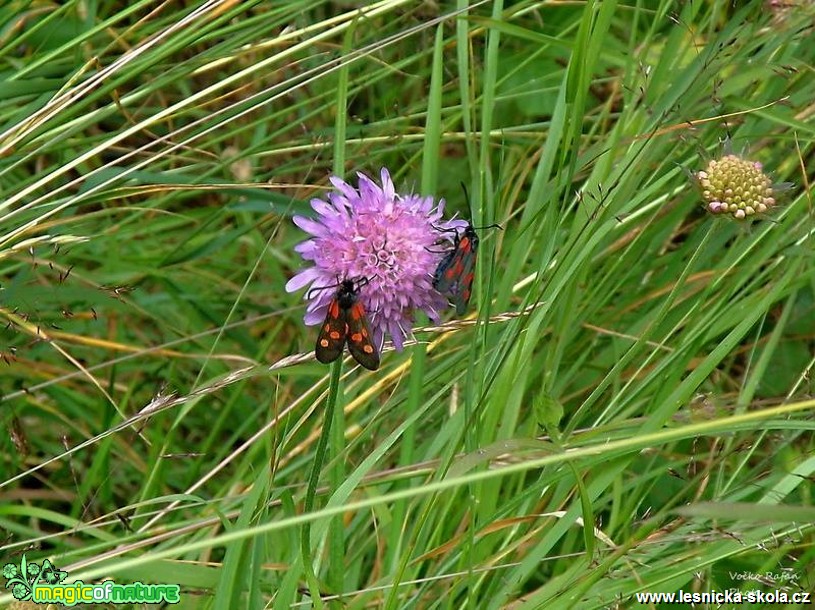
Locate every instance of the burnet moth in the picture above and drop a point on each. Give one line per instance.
(454, 275)
(346, 322)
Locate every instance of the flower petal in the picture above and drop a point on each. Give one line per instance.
(388, 190)
(310, 226)
(313, 318)
(343, 187)
(306, 247)
(301, 279)
(396, 334)
(322, 208)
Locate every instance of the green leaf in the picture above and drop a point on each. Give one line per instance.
(549, 412)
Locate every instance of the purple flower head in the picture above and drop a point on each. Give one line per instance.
(386, 238)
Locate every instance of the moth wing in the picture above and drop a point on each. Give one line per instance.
(360, 339)
(442, 280)
(464, 287)
(333, 333)
(454, 275)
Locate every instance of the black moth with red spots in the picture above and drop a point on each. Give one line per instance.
(346, 322)
(454, 275)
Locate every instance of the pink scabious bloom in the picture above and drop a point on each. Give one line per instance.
(377, 235)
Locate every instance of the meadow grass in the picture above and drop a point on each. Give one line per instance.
(627, 406)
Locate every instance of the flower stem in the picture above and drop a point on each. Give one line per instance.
(336, 531)
(314, 479)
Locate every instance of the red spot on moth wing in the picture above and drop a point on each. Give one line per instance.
(357, 312)
(334, 309)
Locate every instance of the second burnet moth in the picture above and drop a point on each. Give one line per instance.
(454, 274)
(346, 322)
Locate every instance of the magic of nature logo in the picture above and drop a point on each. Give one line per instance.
(45, 584)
